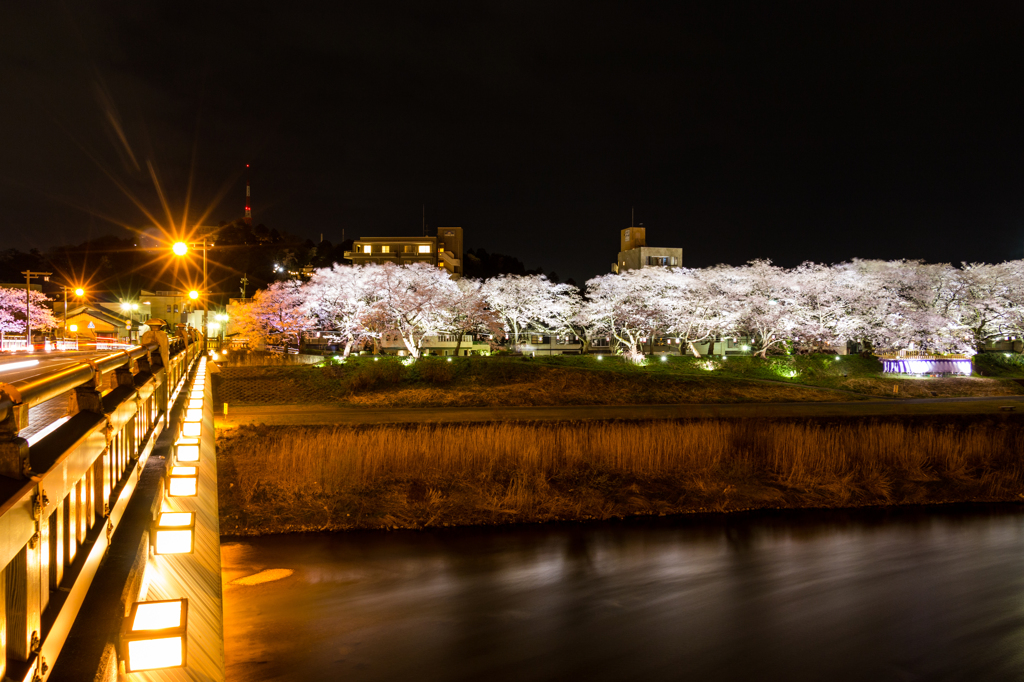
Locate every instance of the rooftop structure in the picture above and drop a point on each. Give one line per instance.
(634, 254)
(444, 250)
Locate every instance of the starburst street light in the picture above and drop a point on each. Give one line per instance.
(79, 293)
(182, 248)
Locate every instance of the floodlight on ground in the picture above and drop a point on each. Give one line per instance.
(174, 533)
(153, 636)
(183, 481)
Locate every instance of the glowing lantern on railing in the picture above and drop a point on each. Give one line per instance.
(153, 635)
(194, 404)
(183, 481)
(186, 450)
(194, 414)
(174, 533)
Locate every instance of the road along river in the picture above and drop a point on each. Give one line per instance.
(903, 594)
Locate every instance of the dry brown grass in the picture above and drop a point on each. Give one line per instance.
(948, 387)
(281, 479)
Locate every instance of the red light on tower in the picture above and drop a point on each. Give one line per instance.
(248, 208)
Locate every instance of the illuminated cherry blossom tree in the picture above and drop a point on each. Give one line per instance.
(469, 313)
(276, 310)
(12, 311)
(341, 299)
(632, 307)
(530, 302)
(414, 301)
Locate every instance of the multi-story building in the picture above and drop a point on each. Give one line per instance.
(444, 250)
(634, 253)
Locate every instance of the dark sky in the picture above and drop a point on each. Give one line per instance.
(820, 131)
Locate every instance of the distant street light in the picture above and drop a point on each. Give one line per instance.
(79, 293)
(193, 294)
(180, 248)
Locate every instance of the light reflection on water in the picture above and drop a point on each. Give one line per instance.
(911, 594)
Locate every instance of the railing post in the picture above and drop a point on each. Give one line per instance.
(21, 602)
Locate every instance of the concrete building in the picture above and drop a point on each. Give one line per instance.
(444, 250)
(634, 254)
(439, 344)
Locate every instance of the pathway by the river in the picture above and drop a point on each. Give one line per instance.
(329, 414)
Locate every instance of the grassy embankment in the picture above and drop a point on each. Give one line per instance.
(292, 479)
(587, 380)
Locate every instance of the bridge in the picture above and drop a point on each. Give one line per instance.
(83, 503)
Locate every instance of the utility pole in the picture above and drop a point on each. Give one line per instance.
(244, 282)
(29, 276)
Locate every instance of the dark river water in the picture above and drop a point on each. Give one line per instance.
(911, 594)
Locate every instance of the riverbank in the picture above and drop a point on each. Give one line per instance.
(296, 479)
(504, 381)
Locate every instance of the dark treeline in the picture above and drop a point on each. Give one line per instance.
(123, 266)
(480, 264)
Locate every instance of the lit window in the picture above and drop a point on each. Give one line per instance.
(367, 248)
(424, 248)
(385, 249)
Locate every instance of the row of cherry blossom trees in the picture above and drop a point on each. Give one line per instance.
(889, 304)
(12, 311)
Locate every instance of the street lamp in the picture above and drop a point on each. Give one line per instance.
(182, 248)
(79, 293)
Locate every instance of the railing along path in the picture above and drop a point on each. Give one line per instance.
(62, 498)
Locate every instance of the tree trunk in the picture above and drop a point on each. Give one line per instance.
(348, 349)
(458, 345)
(693, 349)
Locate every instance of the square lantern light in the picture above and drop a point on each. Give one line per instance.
(194, 404)
(186, 450)
(183, 481)
(153, 636)
(194, 414)
(174, 533)
(191, 429)
(196, 394)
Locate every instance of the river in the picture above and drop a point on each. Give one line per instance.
(901, 594)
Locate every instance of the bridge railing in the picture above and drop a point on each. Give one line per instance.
(62, 497)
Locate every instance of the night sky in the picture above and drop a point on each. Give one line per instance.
(811, 131)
